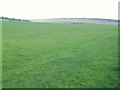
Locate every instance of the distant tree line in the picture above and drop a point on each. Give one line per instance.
(6, 18)
(80, 23)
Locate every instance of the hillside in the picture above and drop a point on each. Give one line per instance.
(78, 20)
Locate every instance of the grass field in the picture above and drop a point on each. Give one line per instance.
(55, 55)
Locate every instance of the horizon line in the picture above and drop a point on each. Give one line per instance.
(61, 18)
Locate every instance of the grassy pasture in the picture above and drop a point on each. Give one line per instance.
(59, 55)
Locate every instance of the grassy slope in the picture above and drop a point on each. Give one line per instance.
(59, 55)
(0, 54)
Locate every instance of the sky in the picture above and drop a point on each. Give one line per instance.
(41, 9)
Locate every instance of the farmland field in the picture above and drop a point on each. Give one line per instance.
(56, 55)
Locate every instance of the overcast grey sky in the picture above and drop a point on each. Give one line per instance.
(38, 9)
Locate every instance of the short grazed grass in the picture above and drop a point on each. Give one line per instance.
(55, 55)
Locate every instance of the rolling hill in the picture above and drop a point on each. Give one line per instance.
(78, 20)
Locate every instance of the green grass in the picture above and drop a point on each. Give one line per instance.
(55, 55)
(0, 55)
